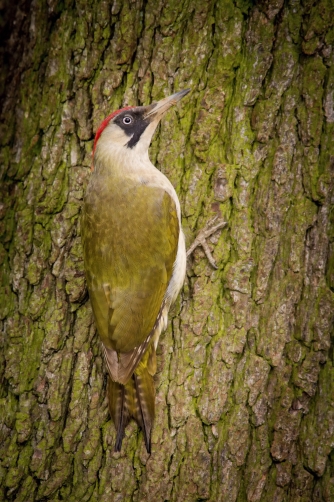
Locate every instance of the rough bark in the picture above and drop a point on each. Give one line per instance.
(245, 407)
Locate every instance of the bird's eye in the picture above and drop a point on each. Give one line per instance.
(127, 120)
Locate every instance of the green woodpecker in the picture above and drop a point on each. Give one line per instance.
(134, 256)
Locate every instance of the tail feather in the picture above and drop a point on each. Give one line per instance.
(146, 405)
(134, 399)
(118, 410)
(123, 420)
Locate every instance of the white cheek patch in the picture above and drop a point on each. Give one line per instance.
(114, 135)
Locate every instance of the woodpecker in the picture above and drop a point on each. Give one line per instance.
(134, 257)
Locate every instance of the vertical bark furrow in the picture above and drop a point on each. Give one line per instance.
(245, 371)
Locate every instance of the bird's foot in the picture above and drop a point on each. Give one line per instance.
(202, 235)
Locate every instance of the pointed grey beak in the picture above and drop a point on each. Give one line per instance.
(159, 108)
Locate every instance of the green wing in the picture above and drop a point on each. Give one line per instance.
(130, 240)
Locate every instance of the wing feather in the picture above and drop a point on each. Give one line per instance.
(130, 240)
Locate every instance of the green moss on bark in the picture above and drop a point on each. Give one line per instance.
(244, 370)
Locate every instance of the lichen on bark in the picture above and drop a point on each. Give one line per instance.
(245, 370)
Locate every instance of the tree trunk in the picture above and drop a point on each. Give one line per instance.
(244, 405)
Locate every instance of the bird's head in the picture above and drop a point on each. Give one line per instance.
(132, 127)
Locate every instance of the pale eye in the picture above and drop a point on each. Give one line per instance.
(127, 120)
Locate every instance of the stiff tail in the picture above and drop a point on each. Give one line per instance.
(134, 399)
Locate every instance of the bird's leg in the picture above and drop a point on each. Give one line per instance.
(203, 235)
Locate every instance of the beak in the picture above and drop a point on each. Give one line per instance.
(158, 109)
